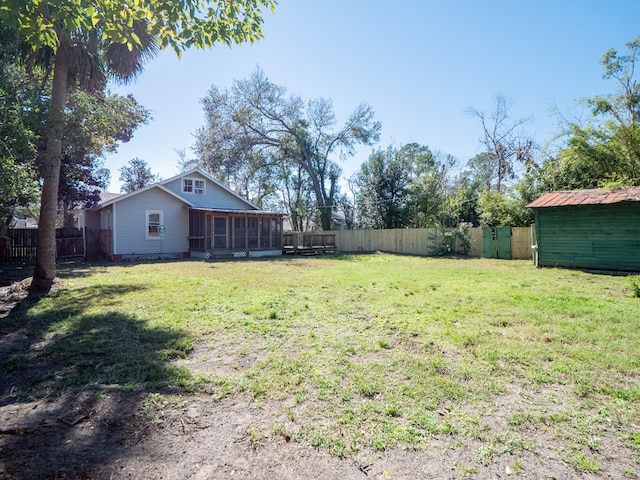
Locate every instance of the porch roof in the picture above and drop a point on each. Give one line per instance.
(225, 211)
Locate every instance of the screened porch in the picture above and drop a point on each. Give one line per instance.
(233, 233)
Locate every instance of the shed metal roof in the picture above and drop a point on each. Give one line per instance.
(599, 196)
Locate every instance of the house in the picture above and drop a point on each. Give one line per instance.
(595, 229)
(23, 221)
(189, 215)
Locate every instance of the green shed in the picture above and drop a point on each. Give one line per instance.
(590, 229)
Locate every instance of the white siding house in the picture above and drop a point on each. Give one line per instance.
(190, 215)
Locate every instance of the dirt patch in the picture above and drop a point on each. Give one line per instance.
(115, 435)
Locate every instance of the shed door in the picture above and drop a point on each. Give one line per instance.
(496, 242)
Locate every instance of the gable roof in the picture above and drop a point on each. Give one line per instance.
(212, 180)
(161, 185)
(137, 192)
(106, 196)
(596, 196)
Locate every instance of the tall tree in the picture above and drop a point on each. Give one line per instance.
(256, 115)
(383, 183)
(94, 125)
(19, 102)
(297, 195)
(136, 175)
(429, 199)
(405, 187)
(503, 139)
(91, 41)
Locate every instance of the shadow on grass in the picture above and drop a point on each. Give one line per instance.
(74, 374)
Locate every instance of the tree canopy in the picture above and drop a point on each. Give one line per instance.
(20, 107)
(405, 187)
(257, 126)
(136, 175)
(94, 125)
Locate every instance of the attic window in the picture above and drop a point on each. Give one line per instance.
(192, 185)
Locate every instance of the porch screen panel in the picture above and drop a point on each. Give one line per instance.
(196, 230)
(264, 232)
(239, 233)
(220, 232)
(252, 232)
(276, 233)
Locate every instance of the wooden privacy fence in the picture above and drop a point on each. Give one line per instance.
(71, 243)
(98, 244)
(418, 241)
(22, 248)
(412, 241)
(521, 243)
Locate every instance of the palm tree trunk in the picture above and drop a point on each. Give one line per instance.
(45, 268)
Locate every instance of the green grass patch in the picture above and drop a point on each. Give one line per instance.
(362, 351)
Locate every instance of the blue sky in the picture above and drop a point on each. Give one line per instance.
(419, 63)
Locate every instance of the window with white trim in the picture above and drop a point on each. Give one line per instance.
(193, 185)
(153, 222)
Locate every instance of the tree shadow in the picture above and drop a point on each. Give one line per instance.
(73, 379)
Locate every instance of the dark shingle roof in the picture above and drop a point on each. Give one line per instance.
(598, 196)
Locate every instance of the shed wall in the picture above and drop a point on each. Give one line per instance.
(591, 236)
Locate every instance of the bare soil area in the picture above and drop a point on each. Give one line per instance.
(83, 436)
(108, 433)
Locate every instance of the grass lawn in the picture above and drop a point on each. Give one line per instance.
(359, 351)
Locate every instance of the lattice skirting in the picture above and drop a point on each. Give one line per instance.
(141, 257)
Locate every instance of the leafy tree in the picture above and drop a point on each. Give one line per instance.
(483, 169)
(89, 41)
(94, 124)
(465, 193)
(257, 116)
(497, 209)
(405, 187)
(384, 182)
(430, 196)
(19, 101)
(346, 208)
(136, 175)
(297, 196)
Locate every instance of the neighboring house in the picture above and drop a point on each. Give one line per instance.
(590, 229)
(80, 213)
(23, 221)
(189, 215)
